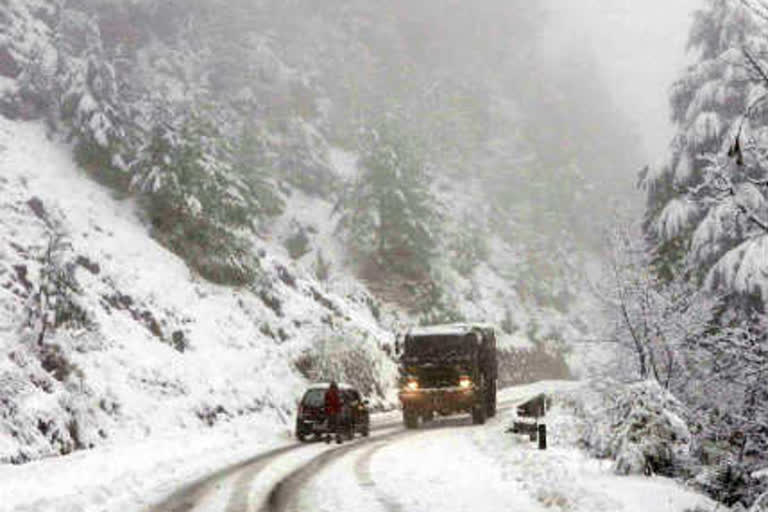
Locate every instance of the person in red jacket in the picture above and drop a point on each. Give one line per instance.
(333, 411)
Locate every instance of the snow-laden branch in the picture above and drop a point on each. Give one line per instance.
(720, 181)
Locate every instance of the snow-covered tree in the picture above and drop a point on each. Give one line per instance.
(54, 303)
(197, 203)
(28, 57)
(654, 321)
(252, 164)
(86, 92)
(689, 217)
(707, 216)
(391, 214)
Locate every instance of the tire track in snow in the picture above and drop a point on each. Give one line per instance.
(189, 496)
(281, 496)
(284, 493)
(241, 494)
(363, 464)
(186, 498)
(365, 479)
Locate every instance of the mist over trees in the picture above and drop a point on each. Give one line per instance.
(203, 108)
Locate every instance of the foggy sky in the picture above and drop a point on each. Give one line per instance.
(640, 48)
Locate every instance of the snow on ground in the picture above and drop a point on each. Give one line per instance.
(118, 477)
(447, 465)
(564, 477)
(452, 465)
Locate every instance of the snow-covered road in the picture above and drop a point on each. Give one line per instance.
(280, 479)
(446, 465)
(452, 465)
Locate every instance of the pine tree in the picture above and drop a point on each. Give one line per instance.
(392, 214)
(86, 91)
(197, 204)
(689, 221)
(252, 164)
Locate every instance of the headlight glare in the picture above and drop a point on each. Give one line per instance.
(465, 382)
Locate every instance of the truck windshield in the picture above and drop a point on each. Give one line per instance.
(430, 349)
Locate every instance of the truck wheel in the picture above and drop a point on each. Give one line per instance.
(410, 419)
(428, 416)
(365, 431)
(492, 400)
(478, 414)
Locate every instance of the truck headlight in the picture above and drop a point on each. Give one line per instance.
(465, 382)
(412, 385)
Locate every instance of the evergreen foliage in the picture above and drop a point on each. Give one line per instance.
(88, 98)
(699, 202)
(392, 214)
(468, 246)
(196, 204)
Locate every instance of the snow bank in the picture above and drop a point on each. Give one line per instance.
(112, 478)
(565, 476)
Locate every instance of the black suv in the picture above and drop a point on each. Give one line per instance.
(311, 418)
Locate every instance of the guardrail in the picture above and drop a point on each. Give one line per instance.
(534, 408)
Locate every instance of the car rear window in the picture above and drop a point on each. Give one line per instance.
(314, 398)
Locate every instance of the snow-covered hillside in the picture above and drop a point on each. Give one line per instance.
(155, 348)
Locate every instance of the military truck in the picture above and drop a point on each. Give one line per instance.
(448, 369)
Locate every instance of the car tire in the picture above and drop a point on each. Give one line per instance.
(365, 431)
(301, 436)
(428, 416)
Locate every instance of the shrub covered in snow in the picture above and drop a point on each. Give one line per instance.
(731, 483)
(45, 408)
(642, 427)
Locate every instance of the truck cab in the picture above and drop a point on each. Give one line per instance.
(448, 369)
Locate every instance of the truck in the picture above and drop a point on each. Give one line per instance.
(447, 369)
